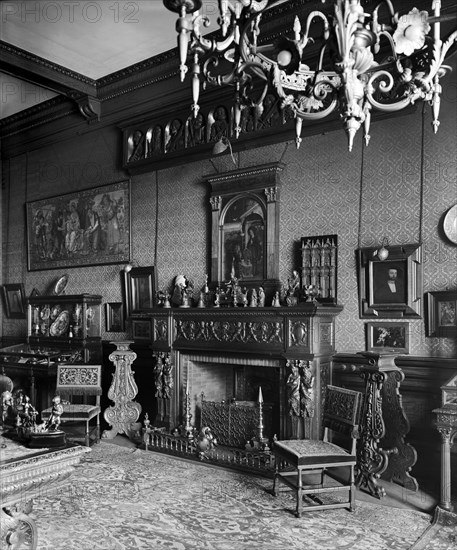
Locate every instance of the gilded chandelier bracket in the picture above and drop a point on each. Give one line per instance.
(359, 62)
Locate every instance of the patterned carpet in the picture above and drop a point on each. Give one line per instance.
(122, 499)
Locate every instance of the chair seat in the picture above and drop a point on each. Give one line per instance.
(303, 452)
(75, 412)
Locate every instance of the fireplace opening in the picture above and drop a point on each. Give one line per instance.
(225, 397)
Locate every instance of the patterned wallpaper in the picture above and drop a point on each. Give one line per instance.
(320, 194)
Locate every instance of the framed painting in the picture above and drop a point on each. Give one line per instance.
(114, 317)
(14, 300)
(389, 337)
(140, 285)
(245, 227)
(390, 287)
(90, 227)
(442, 313)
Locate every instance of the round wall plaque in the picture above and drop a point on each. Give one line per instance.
(450, 224)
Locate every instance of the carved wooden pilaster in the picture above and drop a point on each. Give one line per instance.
(301, 398)
(164, 383)
(123, 389)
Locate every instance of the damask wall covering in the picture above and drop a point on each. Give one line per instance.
(320, 194)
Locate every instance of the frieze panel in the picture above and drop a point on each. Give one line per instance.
(262, 332)
(299, 333)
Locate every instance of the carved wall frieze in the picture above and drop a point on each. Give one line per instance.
(263, 332)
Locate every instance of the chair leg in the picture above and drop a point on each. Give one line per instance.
(87, 438)
(275, 479)
(97, 431)
(299, 494)
(352, 491)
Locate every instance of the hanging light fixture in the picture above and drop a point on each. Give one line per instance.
(382, 252)
(352, 63)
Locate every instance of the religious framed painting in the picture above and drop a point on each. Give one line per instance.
(14, 300)
(90, 227)
(388, 337)
(390, 287)
(442, 314)
(245, 227)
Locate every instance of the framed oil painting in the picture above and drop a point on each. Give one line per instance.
(140, 284)
(91, 227)
(389, 337)
(245, 227)
(14, 300)
(442, 313)
(391, 287)
(114, 317)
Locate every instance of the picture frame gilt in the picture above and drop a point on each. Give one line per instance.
(388, 337)
(90, 227)
(14, 300)
(140, 284)
(392, 287)
(441, 320)
(114, 317)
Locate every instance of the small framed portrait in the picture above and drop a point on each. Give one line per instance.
(14, 300)
(140, 285)
(388, 337)
(391, 287)
(114, 317)
(442, 313)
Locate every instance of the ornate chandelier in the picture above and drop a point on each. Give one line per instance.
(346, 60)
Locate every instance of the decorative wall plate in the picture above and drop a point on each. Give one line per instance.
(61, 285)
(45, 313)
(450, 224)
(60, 325)
(55, 311)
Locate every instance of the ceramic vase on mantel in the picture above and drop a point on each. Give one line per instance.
(123, 416)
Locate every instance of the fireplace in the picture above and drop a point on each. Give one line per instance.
(226, 393)
(224, 356)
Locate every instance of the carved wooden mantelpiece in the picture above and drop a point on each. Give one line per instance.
(282, 331)
(302, 335)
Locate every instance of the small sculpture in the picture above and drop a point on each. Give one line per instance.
(253, 299)
(261, 297)
(276, 302)
(292, 289)
(205, 441)
(53, 422)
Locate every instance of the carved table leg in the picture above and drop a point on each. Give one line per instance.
(122, 391)
(371, 460)
(397, 426)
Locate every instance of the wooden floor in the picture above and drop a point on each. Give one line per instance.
(396, 496)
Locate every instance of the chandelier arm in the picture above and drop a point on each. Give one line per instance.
(305, 115)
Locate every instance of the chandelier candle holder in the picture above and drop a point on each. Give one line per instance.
(341, 60)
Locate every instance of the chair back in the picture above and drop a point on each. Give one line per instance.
(342, 410)
(78, 380)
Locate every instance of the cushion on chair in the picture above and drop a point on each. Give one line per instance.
(302, 452)
(75, 412)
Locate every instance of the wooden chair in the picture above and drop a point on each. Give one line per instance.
(326, 467)
(79, 380)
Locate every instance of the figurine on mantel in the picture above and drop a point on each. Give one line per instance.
(261, 297)
(276, 302)
(183, 292)
(292, 289)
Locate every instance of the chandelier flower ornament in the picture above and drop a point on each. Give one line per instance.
(335, 59)
(411, 31)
